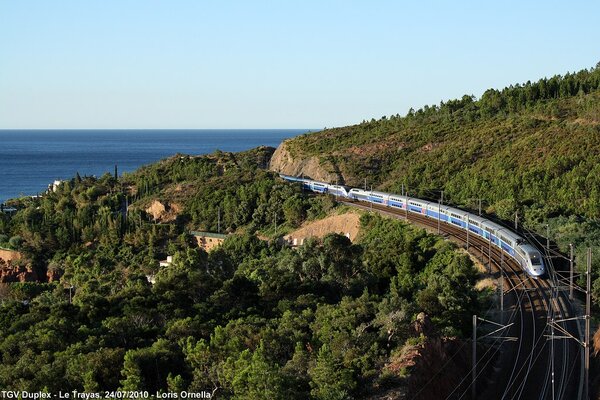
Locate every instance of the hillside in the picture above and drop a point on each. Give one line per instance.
(531, 148)
(253, 318)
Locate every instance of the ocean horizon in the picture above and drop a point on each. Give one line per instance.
(31, 159)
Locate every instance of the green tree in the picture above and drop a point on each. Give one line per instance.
(148, 368)
(330, 380)
(256, 378)
(293, 209)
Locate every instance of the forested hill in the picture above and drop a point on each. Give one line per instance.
(531, 148)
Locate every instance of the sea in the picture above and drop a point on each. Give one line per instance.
(30, 160)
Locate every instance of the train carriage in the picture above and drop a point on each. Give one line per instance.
(475, 224)
(417, 206)
(397, 201)
(338, 190)
(508, 241)
(457, 217)
(379, 197)
(319, 187)
(358, 194)
(434, 211)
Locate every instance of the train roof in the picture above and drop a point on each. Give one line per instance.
(516, 238)
(492, 225)
(319, 182)
(529, 248)
(477, 218)
(379, 193)
(457, 211)
(290, 178)
(417, 200)
(339, 186)
(358, 190)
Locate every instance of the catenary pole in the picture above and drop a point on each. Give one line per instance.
(474, 359)
(490, 254)
(439, 212)
(588, 311)
(467, 231)
(571, 271)
(501, 298)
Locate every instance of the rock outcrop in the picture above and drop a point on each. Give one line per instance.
(53, 275)
(163, 212)
(347, 224)
(417, 365)
(9, 255)
(16, 272)
(284, 162)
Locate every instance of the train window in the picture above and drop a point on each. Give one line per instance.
(535, 260)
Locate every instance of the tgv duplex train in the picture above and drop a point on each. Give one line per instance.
(512, 244)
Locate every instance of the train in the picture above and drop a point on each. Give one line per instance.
(509, 242)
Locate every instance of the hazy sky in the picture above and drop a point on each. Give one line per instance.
(272, 64)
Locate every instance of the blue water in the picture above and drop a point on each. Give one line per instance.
(32, 159)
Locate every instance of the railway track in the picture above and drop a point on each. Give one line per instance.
(534, 366)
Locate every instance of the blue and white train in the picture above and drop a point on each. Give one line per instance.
(511, 243)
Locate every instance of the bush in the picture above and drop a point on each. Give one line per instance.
(15, 242)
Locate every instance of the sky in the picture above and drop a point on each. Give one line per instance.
(272, 64)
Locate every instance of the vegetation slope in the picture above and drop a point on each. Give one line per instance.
(253, 319)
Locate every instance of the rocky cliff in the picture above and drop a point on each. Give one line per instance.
(314, 167)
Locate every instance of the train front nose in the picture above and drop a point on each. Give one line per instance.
(538, 270)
